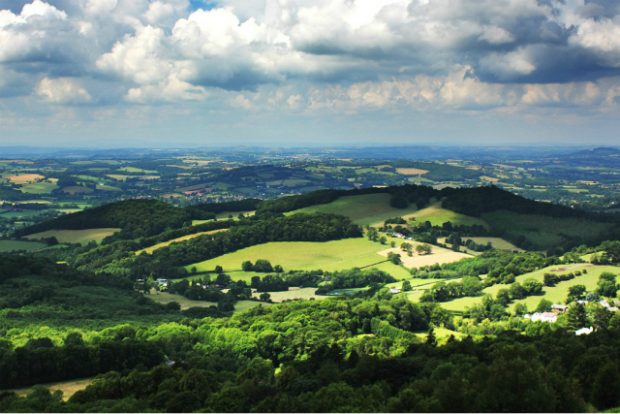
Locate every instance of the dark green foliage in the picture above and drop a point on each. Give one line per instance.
(135, 218)
(240, 205)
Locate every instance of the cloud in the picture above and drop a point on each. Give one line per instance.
(62, 90)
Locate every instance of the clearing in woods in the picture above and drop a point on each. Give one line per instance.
(75, 236)
(371, 209)
(68, 388)
(17, 245)
(438, 255)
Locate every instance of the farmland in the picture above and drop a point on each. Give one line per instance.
(370, 209)
(75, 236)
(157, 246)
(439, 255)
(16, 245)
(332, 255)
(438, 215)
(68, 388)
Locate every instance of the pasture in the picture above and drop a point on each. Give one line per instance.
(555, 294)
(151, 249)
(292, 294)
(411, 171)
(437, 215)
(20, 245)
(330, 256)
(371, 209)
(22, 179)
(75, 236)
(39, 187)
(497, 243)
(439, 255)
(164, 298)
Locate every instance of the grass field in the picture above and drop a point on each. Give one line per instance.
(497, 243)
(75, 236)
(40, 187)
(15, 245)
(439, 255)
(21, 179)
(331, 255)
(151, 249)
(68, 388)
(165, 298)
(411, 171)
(438, 215)
(372, 209)
(555, 294)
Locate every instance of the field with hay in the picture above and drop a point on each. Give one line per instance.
(20, 245)
(151, 249)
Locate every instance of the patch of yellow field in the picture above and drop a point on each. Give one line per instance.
(151, 249)
(439, 255)
(68, 388)
(75, 236)
(411, 171)
(292, 294)
(488, 179)
(21, 179)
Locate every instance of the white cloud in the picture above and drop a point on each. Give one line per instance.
(62, 90)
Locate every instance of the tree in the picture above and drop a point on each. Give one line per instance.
(394, 258)
(423, 249)
(544, 305)
(262, 265)
(577, 317)
(383, 240)
(265, 297)
(431, 339)
(575, 293)
(406, 286)
(607, 285)
(503, 297)
(219, 269)
(247, 266)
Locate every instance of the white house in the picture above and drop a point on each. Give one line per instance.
(542, 317)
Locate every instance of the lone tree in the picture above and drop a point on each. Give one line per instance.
(423, 249)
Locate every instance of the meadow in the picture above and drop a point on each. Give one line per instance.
(367, 209)
(439, 255)
(330, 256)
(437, 215)
(75, 236)
(68, 388)
(554, 294)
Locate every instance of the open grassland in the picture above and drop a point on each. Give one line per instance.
(438, 215)
(20, 245)
(330, 256)
(68, 388)
(555, 294)
(372, 209)
(396, 271)
(543, 231)
(439, 255)
(497, 243)
(134, 170)
(151, 249)
(39, 187)
(75, 236)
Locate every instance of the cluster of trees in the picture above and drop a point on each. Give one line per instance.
(516, 291)
(135, 218)
(261, 266)
(558, 371)
(551, 279)
(354, 278)
(499, 266)
(442, 291)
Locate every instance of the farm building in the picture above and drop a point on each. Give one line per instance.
(550, 317)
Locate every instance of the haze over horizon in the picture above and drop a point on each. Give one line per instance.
(178, 73)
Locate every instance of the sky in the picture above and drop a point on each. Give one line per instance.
(178, 73)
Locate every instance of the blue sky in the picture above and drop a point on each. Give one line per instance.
(301, 72)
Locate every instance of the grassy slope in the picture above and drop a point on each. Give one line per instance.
(75, 236)
(331, 255)
(438, 215)
(555, 294)
(365, 209)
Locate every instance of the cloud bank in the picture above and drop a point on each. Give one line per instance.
(89, 58)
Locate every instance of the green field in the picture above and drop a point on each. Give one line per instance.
(372, 209)
(134, 170)
(165, 298)
(292, 294)
(68, 388)
(75, 236)
(438, 215)
(41, 187)
(15, 245)
(331, 255)
(555, 294)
